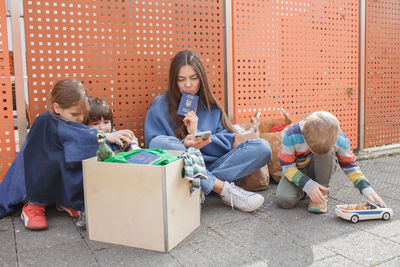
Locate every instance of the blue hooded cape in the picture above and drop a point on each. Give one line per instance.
(48, 169)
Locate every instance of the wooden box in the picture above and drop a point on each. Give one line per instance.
(142, 206)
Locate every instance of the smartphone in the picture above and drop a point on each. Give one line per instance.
(203, 135)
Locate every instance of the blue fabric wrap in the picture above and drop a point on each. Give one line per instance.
(158, 123)
(79, 142)
(48, 168)
(12, 188)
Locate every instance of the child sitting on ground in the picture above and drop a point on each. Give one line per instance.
(308, 157)
(101, 118)
(48, 169)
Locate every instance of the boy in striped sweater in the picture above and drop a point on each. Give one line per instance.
(308, 157)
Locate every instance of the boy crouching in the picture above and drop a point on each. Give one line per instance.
(308, 157)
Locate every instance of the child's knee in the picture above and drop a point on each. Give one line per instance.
(286, 202)
(163, 142)
(262, 148)
(266, 150)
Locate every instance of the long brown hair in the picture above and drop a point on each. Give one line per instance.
(68, 93)
(183, 58)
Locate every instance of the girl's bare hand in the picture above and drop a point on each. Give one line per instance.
(190, 122)
(196, 143)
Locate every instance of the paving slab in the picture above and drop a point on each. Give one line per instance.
(391, 191)
(361, 246)
(61, 230)
(336, 261)
(395, 239)
(338, 180)
(385, 229)
(270, 243)
(69, 253)
(214, 211)
(270, 236)
(392, 263)
(317, 228)
(128, 256)
(321, 253)
(208, 247)
(7, 243)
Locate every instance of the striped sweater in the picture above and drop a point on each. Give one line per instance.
(294, 153)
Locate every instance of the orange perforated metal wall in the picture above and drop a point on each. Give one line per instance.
(7, 143)
(382, 82)
(298, 55)
(120, 49)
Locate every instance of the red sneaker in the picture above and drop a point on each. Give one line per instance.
(73, 213)
(33, 217)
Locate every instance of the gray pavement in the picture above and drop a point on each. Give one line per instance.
(268, 237)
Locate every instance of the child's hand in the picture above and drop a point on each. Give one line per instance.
(190, 122)
(316, 195)
(375, 198)
(120, 137)
(196, 143)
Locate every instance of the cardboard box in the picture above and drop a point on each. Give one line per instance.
(142, 206)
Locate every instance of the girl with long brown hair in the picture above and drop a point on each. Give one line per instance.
(165, 129)
(48, 169)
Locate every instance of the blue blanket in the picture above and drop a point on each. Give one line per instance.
(48, 169)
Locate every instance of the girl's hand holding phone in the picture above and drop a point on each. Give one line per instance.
(198, 143)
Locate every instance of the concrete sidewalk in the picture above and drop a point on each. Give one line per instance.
(268, 237)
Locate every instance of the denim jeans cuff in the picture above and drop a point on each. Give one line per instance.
(208, 184)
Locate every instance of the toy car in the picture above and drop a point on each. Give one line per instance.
(369, 211)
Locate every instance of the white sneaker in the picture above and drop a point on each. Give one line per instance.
(241, 199)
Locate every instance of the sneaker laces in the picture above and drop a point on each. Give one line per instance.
(202, 197)
(34, 210)
(239, 193)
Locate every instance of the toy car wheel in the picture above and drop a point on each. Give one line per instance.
(354, 219)
(386, 216)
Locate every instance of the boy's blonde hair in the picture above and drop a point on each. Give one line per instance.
(321, 131)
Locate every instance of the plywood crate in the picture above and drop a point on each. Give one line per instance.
(142, 206)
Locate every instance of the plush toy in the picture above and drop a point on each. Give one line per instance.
(104, 151)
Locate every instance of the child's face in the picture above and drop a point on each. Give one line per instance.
(73, 113)
(188, 80)
(102, 124)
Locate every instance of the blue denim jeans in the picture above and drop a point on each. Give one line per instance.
(234, 166)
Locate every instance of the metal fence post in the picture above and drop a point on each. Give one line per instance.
(18, 70)
(361, 75)
(228, 55)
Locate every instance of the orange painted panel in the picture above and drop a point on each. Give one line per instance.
(120, 49)
(7, 140)
(382, 86)
(298, 55)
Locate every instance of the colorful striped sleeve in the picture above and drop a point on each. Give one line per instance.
(287, 155)
(347, 161)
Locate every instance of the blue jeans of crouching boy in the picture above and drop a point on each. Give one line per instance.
(234, 166)
(320, 169)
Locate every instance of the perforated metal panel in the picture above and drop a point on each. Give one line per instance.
(298, 55)
(121, 49)
(382, 92)
(7, 143)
